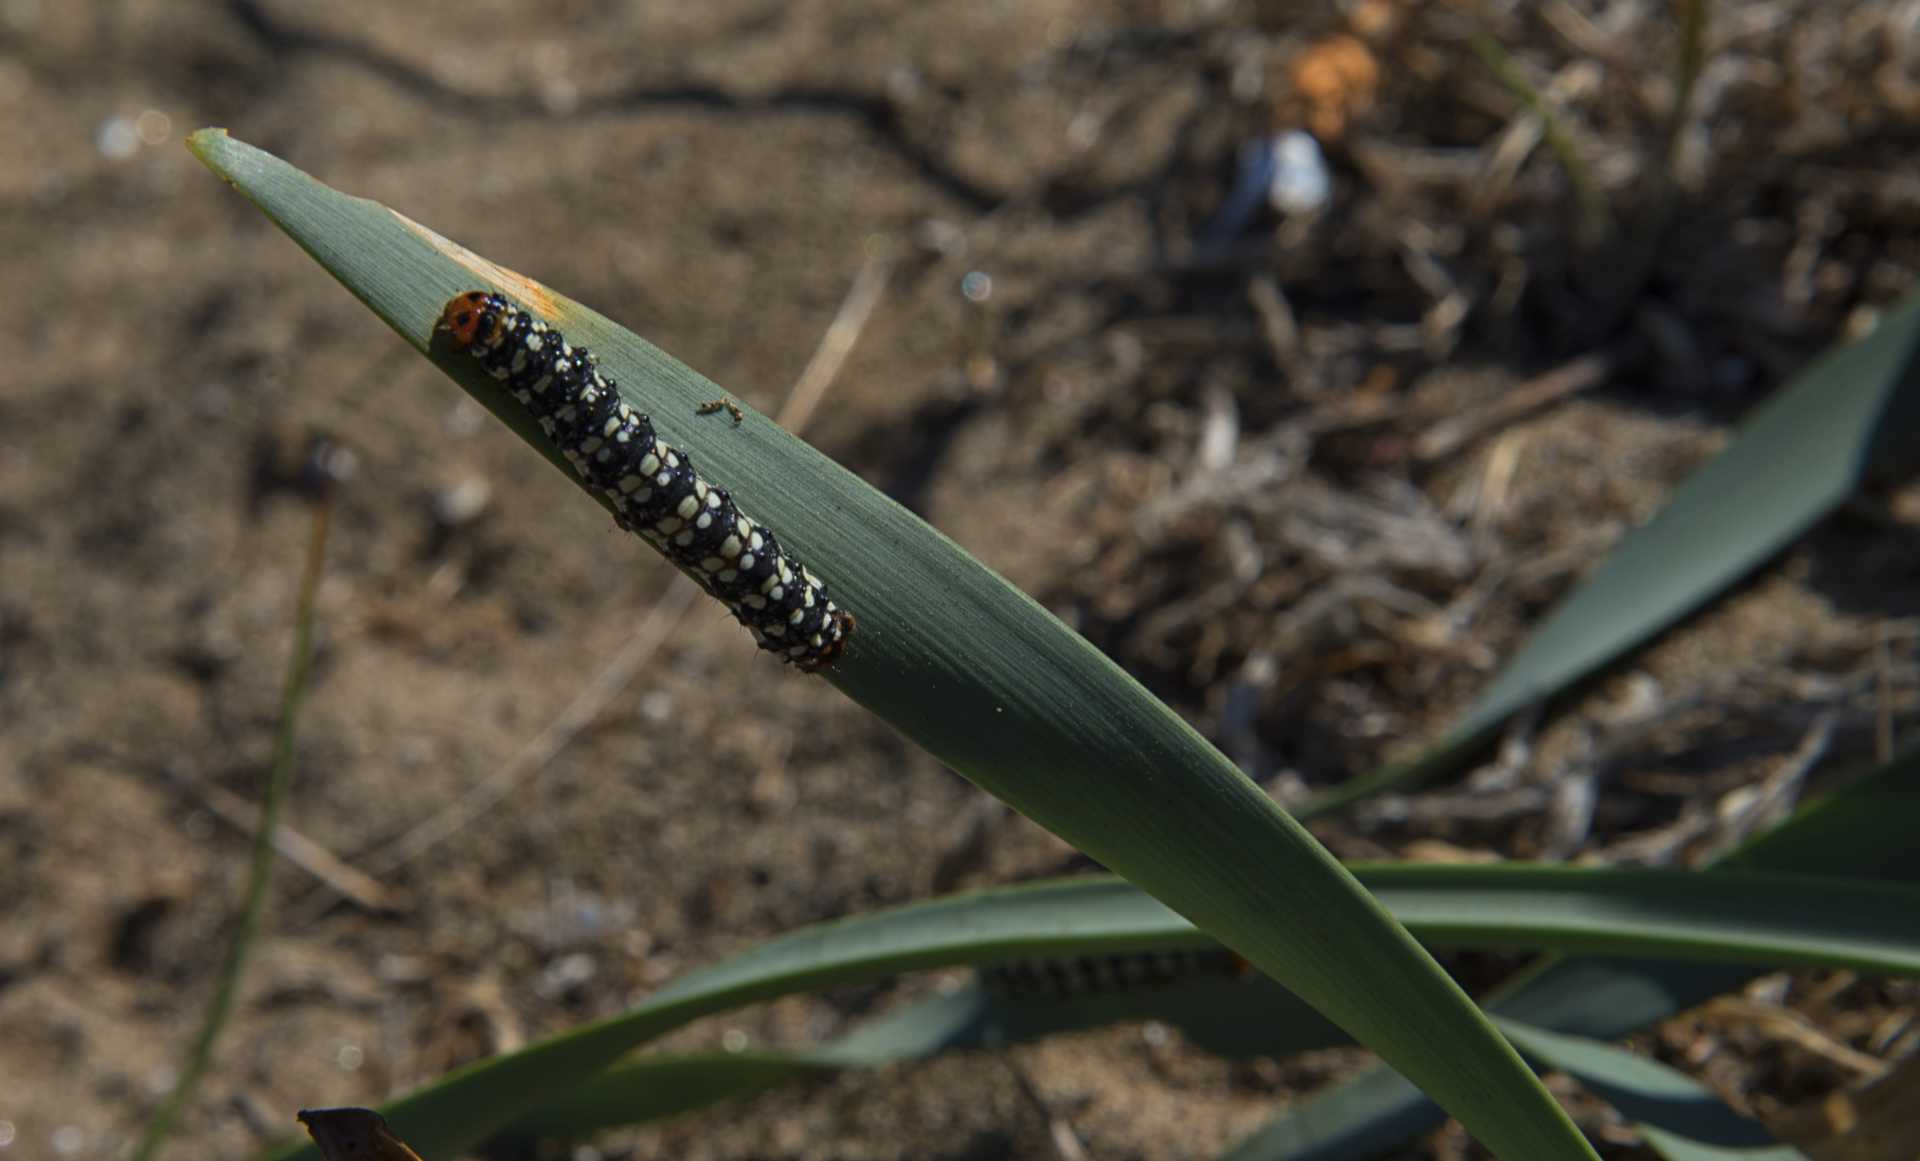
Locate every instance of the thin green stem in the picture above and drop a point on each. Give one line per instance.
(1689, 57)
(1595, 222)
(279, 774)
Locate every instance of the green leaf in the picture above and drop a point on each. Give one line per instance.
(1847, 419)
(1236, 1017)
(1671, 911)
(1681, 1119)
(1760, 919)
(1727, 916)
(1850, 417)
(654, 1088)
(980, 676)
(1863, 830)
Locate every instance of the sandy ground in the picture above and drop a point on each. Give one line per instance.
(1057, 359)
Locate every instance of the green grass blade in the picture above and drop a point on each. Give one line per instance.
(1681, 1119)
(1851, 416)
(654, 1088)
(1101, 914)
(1239, 1018)
(253, 906)
(1864, 830)
(1755, 918)
(1675, 912)
(1376, 1111)
(984, 679)
(474, 1102)
(1770, 920)
(1596, 223)
(1365, 1116)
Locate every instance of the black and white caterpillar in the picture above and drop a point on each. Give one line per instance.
(654, 489)
(1067, 977)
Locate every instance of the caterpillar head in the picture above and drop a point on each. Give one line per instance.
(464, 314)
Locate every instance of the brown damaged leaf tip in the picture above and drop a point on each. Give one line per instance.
(203, 137)
(354, 1135)
(511, 283)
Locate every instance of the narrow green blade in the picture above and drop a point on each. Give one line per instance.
(1238, 1017)
(654, 1088)
(980, 676)
(1769, 920)
(1681, 1118)
(1851, 416)
(1726, 916)
(1864, 830)
(1632, 912)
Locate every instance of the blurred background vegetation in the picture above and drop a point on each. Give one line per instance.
(1304, 431)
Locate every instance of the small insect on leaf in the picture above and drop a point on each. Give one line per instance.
(653, 488)
(713, 406)
(354, 1135)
